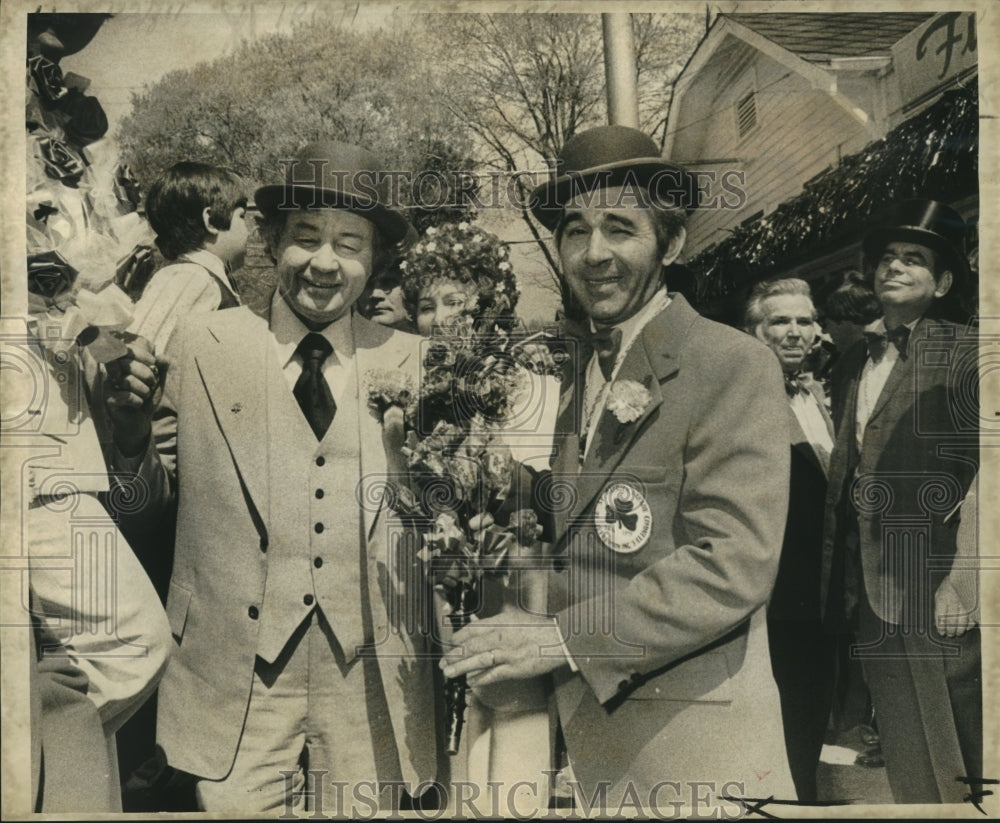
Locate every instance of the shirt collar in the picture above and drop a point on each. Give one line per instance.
(288, 331)
(631, 326)
(205, 258)
(878, 326)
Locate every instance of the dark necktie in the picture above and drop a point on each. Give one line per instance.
(878, 343)
(311, 389)
(606, 344)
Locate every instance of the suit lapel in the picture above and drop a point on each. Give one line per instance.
(900, 370)
(566, 464)
(238, 382)
(801, 441)
(650, 361)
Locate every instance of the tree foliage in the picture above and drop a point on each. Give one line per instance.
(446, 92)
(251, 109)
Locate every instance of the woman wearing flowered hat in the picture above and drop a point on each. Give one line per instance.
(457, 269)
(455, 278)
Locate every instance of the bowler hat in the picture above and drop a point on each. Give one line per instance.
(925, 222)
(611, 156)
(334, 175)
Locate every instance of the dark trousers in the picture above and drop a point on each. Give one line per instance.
(803, 661)
(927, 694)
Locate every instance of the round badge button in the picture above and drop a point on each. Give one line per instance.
(624, 520)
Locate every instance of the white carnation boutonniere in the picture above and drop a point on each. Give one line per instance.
(627, 400)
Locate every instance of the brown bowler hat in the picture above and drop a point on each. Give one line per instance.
(926, 222)
(334, 175)
(611, 156)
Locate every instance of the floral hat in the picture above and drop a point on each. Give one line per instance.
(467, 254)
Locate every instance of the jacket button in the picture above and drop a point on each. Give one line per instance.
(318, 562)
(319, 494)
(320, 461)
(318, 528)
(253, 613)
(308, 599)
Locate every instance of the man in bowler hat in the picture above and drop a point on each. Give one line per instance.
(298, 680)
(905, 407)
(677, 479)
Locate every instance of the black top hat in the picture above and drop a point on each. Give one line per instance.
(926, 222)
(611, 156)
(334, 175)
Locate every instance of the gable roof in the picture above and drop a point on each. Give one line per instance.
(817, 37)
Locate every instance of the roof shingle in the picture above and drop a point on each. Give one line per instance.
(822, 36)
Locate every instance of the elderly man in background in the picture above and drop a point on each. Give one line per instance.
(780, 313)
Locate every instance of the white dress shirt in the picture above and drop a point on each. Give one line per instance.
(807, 411)
(873, 379)
(288, 331)
(595, 392)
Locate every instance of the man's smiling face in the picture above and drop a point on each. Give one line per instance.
(610, 257)
(324, 259)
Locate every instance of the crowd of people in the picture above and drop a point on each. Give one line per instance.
(746, 522)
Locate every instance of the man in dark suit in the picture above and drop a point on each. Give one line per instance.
(906, 408)
(780, 313)
(677, 479)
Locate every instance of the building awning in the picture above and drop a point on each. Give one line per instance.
(934, 155)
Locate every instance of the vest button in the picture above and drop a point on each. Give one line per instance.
(320, 461)
(253, 613)
(318, 562)
(308, 599)
(318, 528)
(319, 494)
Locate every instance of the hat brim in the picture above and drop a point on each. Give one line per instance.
(668, 184)
(276, 198)
(951, 258)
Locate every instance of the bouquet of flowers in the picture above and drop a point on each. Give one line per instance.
(459, 469)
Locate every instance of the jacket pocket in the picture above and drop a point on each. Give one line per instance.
(178, 603)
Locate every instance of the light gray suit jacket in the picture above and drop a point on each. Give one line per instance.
(215, 433)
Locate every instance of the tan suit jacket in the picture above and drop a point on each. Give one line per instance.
(674, 678)
(218, 435)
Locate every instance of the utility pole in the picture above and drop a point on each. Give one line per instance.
(619, 69)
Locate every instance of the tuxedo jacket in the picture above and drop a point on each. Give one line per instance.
(225, 432)
(918, 456)
(796, 591)
(668, 633)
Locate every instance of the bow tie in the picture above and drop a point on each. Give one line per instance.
(796, 382)
(606, 344)
(878, 343)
